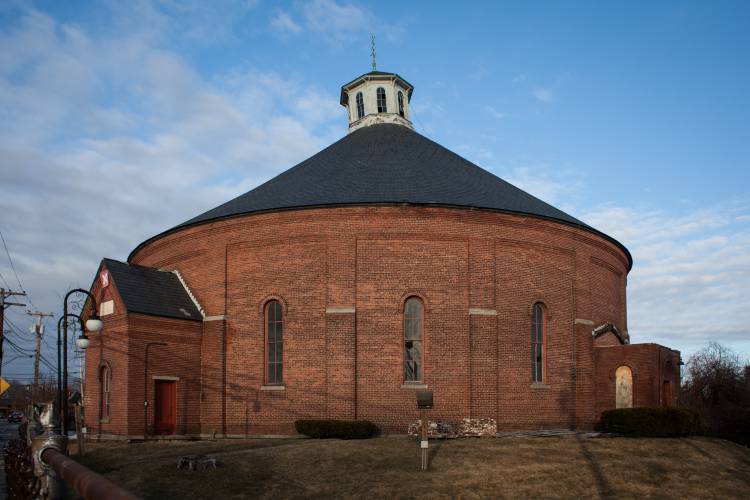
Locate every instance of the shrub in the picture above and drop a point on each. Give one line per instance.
(342, 429)
(652, 422)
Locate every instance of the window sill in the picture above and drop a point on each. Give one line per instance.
(272, 387)
(539, 385)
(413, 386)
(103, 420)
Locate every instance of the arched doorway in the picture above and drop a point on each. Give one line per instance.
(623, 387)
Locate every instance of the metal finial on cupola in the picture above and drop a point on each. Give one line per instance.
(372, 52)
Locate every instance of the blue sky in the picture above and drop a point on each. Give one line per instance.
(122, 119)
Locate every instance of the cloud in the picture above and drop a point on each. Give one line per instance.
(341, 23)
(107, 139)
(543, 94)
(480, 72)
(689, 280)
(495, 113)
(561, 187)
(283, 24)
(688, 284)
(519, 78)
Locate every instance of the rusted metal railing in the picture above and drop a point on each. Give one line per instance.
(54, 473)
(87, 483)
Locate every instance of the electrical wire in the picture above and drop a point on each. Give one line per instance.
(6, 283)
(13, 267)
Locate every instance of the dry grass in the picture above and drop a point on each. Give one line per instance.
(551, 467)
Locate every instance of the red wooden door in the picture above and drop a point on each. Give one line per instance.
(165, 406)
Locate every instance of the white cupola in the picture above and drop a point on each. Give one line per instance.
(377, 97)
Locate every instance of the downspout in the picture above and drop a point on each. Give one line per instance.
(224, 348)
(574, 370)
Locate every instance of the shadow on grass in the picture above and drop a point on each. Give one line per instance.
(602, 485)
(434, 452)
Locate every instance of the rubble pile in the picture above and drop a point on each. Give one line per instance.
(434, 429)
(477, 427)
(468, 427)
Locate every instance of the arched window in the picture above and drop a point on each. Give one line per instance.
(538, 343)
(413, 320)
(623, 387)
(401, 104)
(274, 342)
(105, 383)
(360, 106)
(381, 100)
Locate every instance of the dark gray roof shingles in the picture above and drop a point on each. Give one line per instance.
(386, 164)
(150, 291)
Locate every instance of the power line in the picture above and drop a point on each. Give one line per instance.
(3, 278)
(13, 267)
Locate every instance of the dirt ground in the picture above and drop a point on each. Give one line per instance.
(539, 467)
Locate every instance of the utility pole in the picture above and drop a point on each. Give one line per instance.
(4, 294)
(39, 330)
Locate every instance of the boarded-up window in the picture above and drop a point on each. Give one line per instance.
(623, 388)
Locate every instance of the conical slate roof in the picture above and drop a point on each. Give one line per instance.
(387, 164)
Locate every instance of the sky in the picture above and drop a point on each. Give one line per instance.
(119, 120)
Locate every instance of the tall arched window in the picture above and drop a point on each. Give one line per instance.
(381, 100)
(413, 322)
(360, 106)
(401, 104)
(274, 342)
(105, 383)
(538, 343)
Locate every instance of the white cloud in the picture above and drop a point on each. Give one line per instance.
(519, 78)
(283, 24)
(108, 139)
(337, 21)
(543, 94)
(480, 72)
(495, 113)
(344, 22)
(689, 280)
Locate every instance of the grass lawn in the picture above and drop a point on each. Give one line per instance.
(547, 467)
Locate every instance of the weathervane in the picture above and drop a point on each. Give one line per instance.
(372, 52)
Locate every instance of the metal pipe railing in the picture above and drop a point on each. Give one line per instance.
(87, 483)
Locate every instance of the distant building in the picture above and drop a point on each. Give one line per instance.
(382, 265)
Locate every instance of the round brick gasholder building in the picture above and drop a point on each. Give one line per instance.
(383, 265)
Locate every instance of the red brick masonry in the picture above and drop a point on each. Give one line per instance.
(342, 275)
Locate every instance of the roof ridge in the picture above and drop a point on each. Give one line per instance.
(188, 290)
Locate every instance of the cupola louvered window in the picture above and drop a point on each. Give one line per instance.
(401, 104)
(360, 106)
(382, 108)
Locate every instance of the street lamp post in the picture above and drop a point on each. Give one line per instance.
(145, 388)
(93, 324)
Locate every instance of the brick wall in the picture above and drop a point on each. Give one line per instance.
(650, 364)
(343, 274)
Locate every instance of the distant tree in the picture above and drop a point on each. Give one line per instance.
(717, 386)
